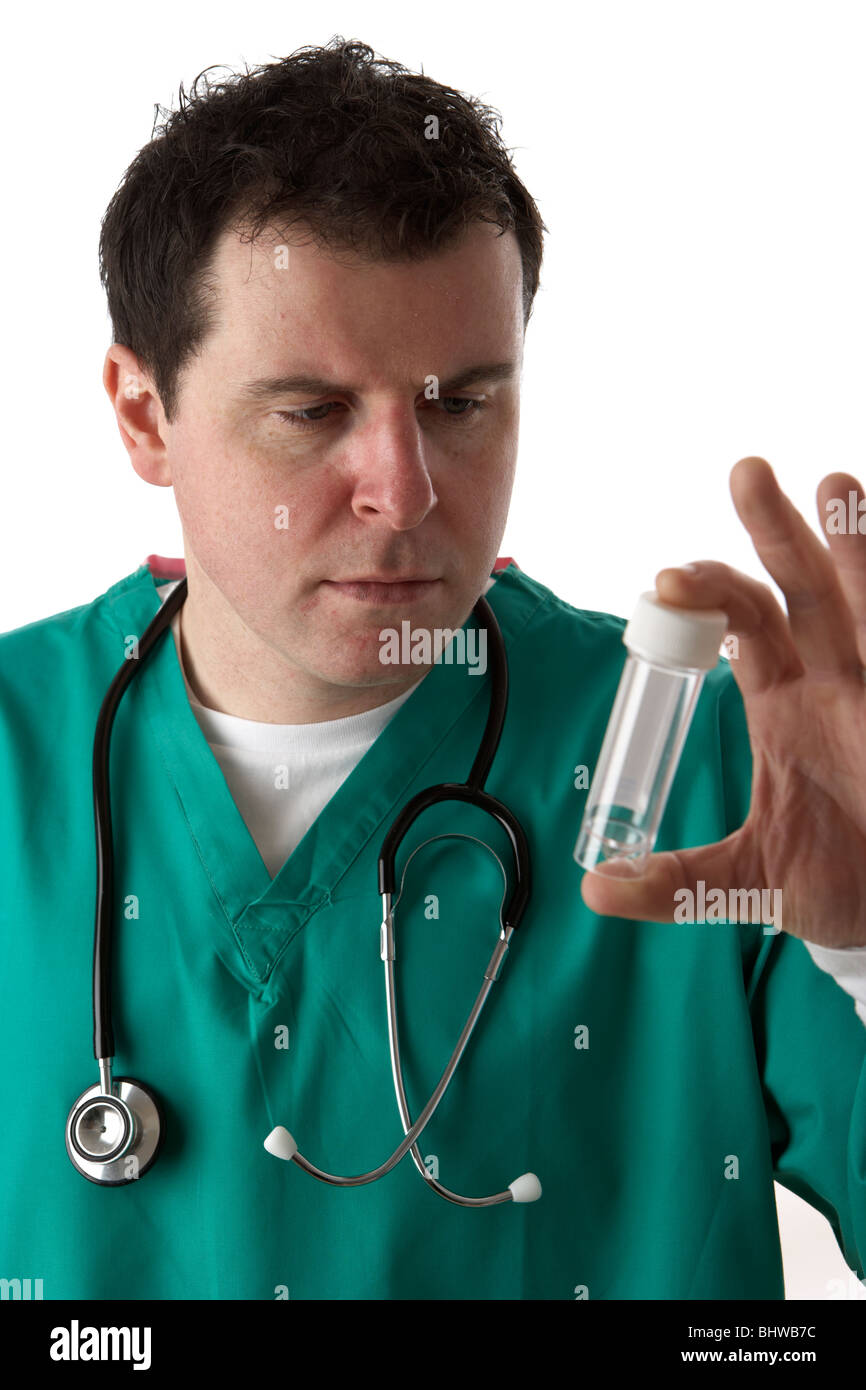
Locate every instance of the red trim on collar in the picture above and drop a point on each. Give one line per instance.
(164, 567)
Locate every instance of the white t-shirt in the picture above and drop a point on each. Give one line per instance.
(281, 776)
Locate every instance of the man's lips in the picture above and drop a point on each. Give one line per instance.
(383, 591)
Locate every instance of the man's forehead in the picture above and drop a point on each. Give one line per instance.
(274, 295)
(241, 260)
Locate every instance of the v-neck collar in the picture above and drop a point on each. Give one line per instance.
(261, 913)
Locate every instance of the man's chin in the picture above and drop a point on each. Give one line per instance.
(395, 679)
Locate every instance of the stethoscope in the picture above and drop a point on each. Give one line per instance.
(114, 1130)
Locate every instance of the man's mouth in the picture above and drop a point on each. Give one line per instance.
(374, 590)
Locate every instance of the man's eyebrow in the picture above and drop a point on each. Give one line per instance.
(263, 388)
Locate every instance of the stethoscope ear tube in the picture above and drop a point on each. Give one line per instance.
(516, 903)
(103, 1036)
(472, 790)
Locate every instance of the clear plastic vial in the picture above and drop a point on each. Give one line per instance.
(670, 651)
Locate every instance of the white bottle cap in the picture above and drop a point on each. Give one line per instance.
(683, 638)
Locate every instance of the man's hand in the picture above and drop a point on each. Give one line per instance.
(801, 678)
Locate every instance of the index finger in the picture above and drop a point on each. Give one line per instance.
(821, 622)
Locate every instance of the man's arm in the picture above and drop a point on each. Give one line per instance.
(810, 1043)
(811, 1052)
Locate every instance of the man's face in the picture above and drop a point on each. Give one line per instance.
(288, 493)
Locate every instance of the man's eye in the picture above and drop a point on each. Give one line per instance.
(296, 418)
(464, 400)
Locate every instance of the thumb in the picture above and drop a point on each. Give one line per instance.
(613, 890)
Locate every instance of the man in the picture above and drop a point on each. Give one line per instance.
(319, 277)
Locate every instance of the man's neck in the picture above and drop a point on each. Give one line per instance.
(274, 697)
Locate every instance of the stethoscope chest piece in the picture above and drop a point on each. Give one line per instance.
(113, 1139)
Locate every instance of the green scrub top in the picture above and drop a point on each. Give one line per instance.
(656, 1077)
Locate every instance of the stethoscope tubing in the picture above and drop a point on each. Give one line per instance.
(103, 1033)
(148, 1135)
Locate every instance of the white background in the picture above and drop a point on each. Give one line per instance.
(700, 167)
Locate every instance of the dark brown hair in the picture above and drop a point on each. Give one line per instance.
(332, 137)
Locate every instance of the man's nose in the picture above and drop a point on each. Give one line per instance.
(390, 472)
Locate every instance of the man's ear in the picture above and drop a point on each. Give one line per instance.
(139, 414)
